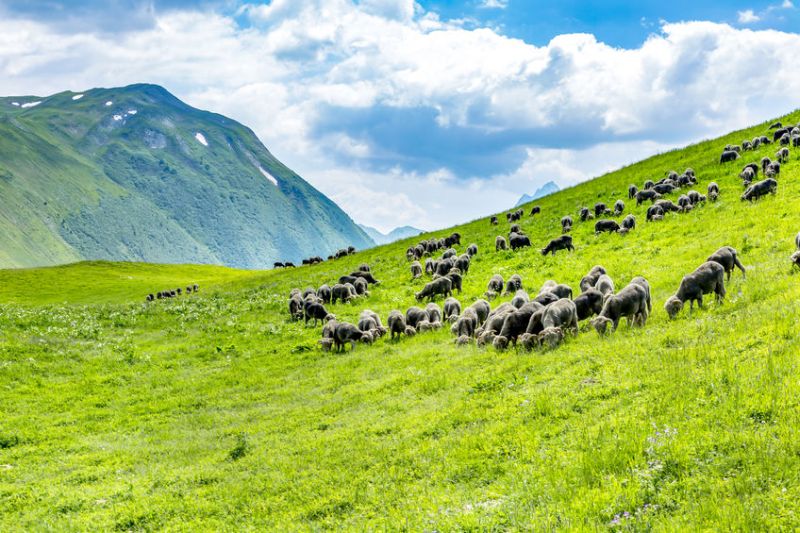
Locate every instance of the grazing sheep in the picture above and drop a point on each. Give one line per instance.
(663, 188)
(346, 333)
(550, 337)
(462, 263)
(782, 155)
(684, 202)
(602, 226)
(647, 185)
(546, 298)
(494, 322)
(528, 341)
(514, 284)
(536, 210)
(472, 250)
(452, 308)
(707, 278)
(559, 243)
(495, 286)
(632, 190)
(629, 222)
(584, 214)
(443, 286)
(561, 290)
(785, 139)
(647, 194)
(619, 207)
(443, 267)
(605, 285)
(324, 293)
(728, 258)
(589, 303)
(466, 324)
(317, 312)
(481, 308)
(654, 211)
(434, 312)
(514, 325)
(500, 243)
(367, 323)
(462, 340)
(643, 283)
(728, 155)
(340, 292)
(561, 314)
(455, 279)
(296, 307)
(520, 298)
(795, 259)
(519, 241)
(410, 331)
(414, 315)
(566, 224)
(361, 286)
(600, 209)
(416, 270)
(450, 252)
(630, 302)
(765, 162)
(775, 125)
(430, 266)
(396, 323)
(759, 189)
(493, 221)
(747, 175)
(366, 276)
(773, 169)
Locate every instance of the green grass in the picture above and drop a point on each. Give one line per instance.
(215, 412)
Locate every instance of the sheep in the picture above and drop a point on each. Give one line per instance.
(450, 252)
(493, 221)
(588, 303)
(443, 267)
(317, 312)
(547, 286)
(654, 211)
(514, 325)
(519, 241)
(462, 340)
(602, 226)
(520, 298)
(628, 223)
(472, 250)
(416, 270)
(707, 278)
(494, 287)
(782, 155)
(795, 259)
(562, 314)
(346, 333)
(561, 290)
(536, 210)
(550, 337)
(605, 285)
(765, 162)
(747, 175)
(414, 315)
(452, 308)
(775, 125)
(434, 313)
(515, 228)
(647, 185)
(785, 139)
(647, 194)
(366, 323)
(773, 169)
(630, 302)
(361, 286)
(643, 283)
(296, 307)
(396, 323)
(462, 263)
(528, 341)
(728, 258)
(410, 331)
(500, 243)
(695, 197)
(746, 145)
(584, 214)
(494, 322)
(443, 286)
(455, 279)
(713, 191)
(514, 284)
(684, 202)
(632, 190)
(566, 224)
(759, 189)
(728, 155)
(600, 209)
(663, 188)
(559, 243)
(466, 324)
(546, 298)
(619, 207)
(430, 266)
(481, 308)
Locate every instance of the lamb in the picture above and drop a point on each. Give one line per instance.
(416, 270)
(452, 308)
(317, 312)
(647, 194)
(443, 286)
(605, 285)
(630, 302)
(346, 333)
(561, 314)
(588, 303)
(559, 243)
(605, 226)
(759, 189)
(396, 323)
(500, 243)
(727, 257)
(707, 278)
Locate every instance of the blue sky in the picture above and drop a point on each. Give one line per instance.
(434, 112)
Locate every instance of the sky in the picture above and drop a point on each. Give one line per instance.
(436, 112)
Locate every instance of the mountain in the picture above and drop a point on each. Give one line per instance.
(395, 235)
(135, 174)
(548, 188)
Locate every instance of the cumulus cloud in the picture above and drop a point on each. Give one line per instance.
(384, 98)
(747, 16)
(493, 4)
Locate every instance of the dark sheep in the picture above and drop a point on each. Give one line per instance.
(765, 162)
(684, 202)
(602, 226)
(347, 279)
(520, 298)
(288, 265)
(450, 252)
(559, 243)
(747, 175)
(663, 188)
(773, 169)
(643, 283)
(481, 308)
(667, 205)
(514, 325)
(654, 211)
(775, 125)
(465, 325)
(452, 308)
(442, 286)
(561, 314)
(713, 191)
(462, 263)
(195, 287)
(367, 323)
(536, 210)
(363, 267)
(346, 333)
(340, 292)
(566, 224)
(728, 155)
(296, 306)
(472, 250)
(782, 155)
(561, 290)
(317, 312)
(455, 280)
(619, 207)
(776, 135)
(514, 284)
(515, 228)
(647, 185)
(605, 285)
(434, 313)
(707, 278)
(361, 286)
(728, 258)
(632, 190)
(414, 315)
(444, 266)
(495, 286)
(396, 323)
(519, 241)
(493, 221)
(759, 189)
(430, 266)
(548, 286)
(600, 209)
(588, 281)
(589, 303)
(630, 302)
(546, 298)
(150, 298)
(500, 243)
(695, 197)
(367, 276)
(584, 214)
(277, 265)
(785, 139)
(647, 194)
(629, 222)
(416, 270)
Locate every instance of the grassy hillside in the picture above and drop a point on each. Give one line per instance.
(135, 174)
(216, 412)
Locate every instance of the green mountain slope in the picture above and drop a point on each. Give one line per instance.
(215, 409)
(135, 174)
(396, 234)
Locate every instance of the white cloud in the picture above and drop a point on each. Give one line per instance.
(787, 4)
(748, 16)
(573, 108)
(494, 4)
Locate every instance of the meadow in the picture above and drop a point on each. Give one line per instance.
(214, 411)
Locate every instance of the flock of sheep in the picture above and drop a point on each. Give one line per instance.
(172, 293)
(545, 320)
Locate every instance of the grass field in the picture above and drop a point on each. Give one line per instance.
(215, 412)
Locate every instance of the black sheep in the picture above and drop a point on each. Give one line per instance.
(602, 226)
(340, 292)
(707, 278)
(324, 293)
(317, 312)
(647, 194)
(519, 241)
(414, 315)
(346, 333)
(559, 243)
(396, 323)
(630, 302)
(442, 286)
(728, 258)
(632, 190)
(589, 280)
(759, 189)
(452, 308)
(588, 303)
